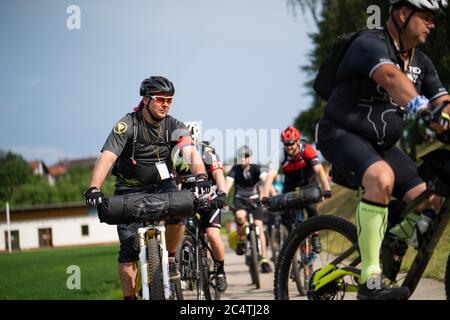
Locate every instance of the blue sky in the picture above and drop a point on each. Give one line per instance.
(235, 65)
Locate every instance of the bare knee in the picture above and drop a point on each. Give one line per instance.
(378, 182)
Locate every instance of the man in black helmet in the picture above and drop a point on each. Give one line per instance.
(140, 147)
(381, 77)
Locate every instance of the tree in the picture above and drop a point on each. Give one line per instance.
(14, 171)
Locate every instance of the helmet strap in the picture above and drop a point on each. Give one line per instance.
(152, 116)
(400, 30)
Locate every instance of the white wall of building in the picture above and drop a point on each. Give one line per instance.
(65, 232)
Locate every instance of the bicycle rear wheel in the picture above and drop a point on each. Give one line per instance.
(254, 259)
(337, 235)
(204, 276)
(188, 268)
(155, 279)
(302, 266)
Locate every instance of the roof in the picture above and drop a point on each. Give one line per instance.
(38, 207)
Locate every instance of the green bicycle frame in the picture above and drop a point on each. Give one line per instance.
(331, 272)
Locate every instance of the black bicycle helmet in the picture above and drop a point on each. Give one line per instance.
(155, 85)
(435, 6)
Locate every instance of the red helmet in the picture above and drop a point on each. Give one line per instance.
(290, 134)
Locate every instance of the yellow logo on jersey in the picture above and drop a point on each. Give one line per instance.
(120, 128)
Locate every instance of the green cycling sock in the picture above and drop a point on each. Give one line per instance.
(371, 219)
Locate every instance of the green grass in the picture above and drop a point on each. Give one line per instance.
(42, 274)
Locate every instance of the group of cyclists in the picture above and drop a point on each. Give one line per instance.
(381, 77)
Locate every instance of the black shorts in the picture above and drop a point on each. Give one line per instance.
(252, 205)
(351, 155)
(210, 218)
(129, 246)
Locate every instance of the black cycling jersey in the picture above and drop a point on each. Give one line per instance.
(360, 105)
(153, 145)
(246, 181)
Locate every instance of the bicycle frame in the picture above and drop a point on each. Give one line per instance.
(332, 272)
(200, 244)
(158, 231)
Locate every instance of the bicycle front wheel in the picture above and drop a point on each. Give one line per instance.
(155, 278)
(337, 236)
(188, 268)
(254, 259)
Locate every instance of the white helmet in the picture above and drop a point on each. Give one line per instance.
(436, 6)
(194, 128)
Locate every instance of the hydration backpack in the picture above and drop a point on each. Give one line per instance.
(326, 77)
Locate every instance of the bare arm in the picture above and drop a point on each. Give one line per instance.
(268, 183)
(194, 159)
(229, 183)
(220, 180)
(101, 169)
(320, 172)
(396, 83)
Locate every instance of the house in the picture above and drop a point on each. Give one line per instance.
(40, 169)
(56, 225)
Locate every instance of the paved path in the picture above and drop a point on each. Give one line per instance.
(240, 287)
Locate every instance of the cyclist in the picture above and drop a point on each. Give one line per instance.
(301, 165)
(210, 220)
(381, 77)
(139, 146)
(246, 177)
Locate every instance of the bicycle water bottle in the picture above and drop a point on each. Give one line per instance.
(422, 226)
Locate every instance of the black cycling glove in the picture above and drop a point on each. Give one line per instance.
(326, 194)
(220, 201)
(202, 183)
(93, 196)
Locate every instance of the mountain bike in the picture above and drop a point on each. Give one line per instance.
(337, 271)
(197, 277)
(253, 246)
(153, 275)
(302, 266)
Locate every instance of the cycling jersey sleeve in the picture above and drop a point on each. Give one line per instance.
(232, 173)
(180, 135)
(119, 136)
(432, 86)
(212, 160)
(367, 52)
(311, 155)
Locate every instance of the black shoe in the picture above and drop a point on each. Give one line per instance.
(265, 266)
(381, 289)
(221, 281)
(317, 246)
(240, 249)
(174, 274)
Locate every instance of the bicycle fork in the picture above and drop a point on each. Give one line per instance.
(160, 233)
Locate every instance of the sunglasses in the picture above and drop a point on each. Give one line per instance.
(162, 99)
(289, 144)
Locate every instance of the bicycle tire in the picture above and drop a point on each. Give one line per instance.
(155, 278)
(204, 275)
(297, 269)
(188, 266)
(447, 279)
(254, 260)
(299, 234)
